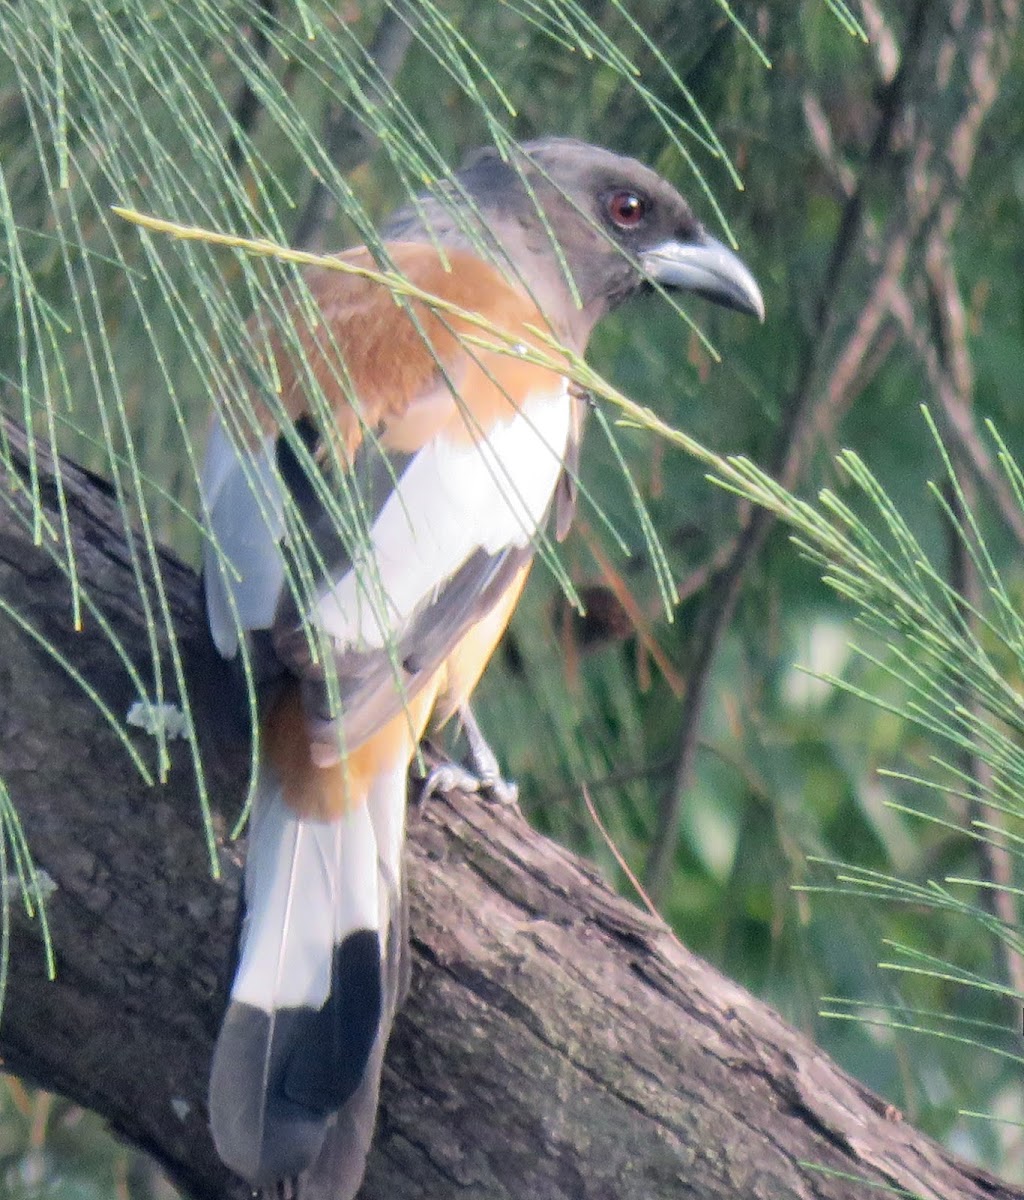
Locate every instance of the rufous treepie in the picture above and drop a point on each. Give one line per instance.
(460, 456)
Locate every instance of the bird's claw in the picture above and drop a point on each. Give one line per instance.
(484, 763)
(481, 776)
(448, 777)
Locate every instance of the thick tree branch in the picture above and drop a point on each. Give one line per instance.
(951, 65)
(557, 1042)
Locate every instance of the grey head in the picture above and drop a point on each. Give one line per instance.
(561, 204)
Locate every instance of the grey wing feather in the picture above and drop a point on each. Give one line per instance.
(374, 686)
(243, 571)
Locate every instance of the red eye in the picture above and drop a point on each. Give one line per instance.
(626, 209)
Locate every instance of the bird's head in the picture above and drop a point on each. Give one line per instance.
(614, 224)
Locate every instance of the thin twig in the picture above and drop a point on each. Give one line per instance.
(638, 619)
(246, 110)
(789, 457)
(624, 866)
(997, 865)
(881, 39)
(349, 142)
(698, 577)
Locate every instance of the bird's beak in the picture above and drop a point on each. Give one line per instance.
(709, 269)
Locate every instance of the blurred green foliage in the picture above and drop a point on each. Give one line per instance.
(787, 768)
(51, 1149)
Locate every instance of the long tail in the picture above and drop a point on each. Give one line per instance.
(322, 969)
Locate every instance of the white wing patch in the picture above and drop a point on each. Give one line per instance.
(453, 499)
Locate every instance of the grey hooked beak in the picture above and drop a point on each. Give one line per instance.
(707, 268)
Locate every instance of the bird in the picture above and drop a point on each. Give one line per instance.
(459, 455)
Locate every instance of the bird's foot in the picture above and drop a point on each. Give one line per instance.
(479, 776)
(447, 777)
(484, 763)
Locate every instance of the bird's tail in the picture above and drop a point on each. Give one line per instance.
(322, 967)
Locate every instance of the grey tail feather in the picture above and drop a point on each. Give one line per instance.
(278, 1077)
(337, 1173)
(303, 1147)
(340, 1167)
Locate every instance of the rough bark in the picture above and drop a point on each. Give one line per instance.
(557, 1042)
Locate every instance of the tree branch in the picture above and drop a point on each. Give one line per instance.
(947, 115)
(556, 1043)
(348, 140)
